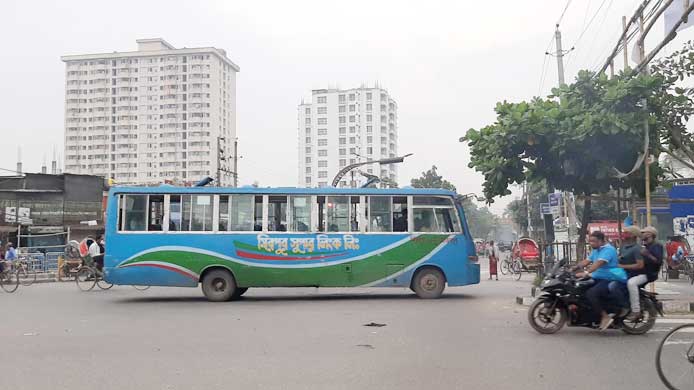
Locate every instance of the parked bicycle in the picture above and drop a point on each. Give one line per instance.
(25, 271)
(9, 277)
(674, 359)
(685, 267)
(511, 266)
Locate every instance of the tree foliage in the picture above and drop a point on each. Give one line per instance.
(574, 140)
(480, 220)
(431, 179)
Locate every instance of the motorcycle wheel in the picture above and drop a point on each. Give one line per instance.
(642, 326)
(542, 320)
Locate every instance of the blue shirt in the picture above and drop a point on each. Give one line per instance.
(11, 254)
(610, 270)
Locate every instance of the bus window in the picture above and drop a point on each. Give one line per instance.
(156, 213)
(223, 213)
(424, 220)
(241, 219)
(186, 209)
(380, 219)
(321, 213)
(301, 213)
(277, 213)
(399, 213)
(135, 213)
(446, 220)
(201, 219)
(432, 201)
(337, 210)
(175, 213)
(354, 214)
(258, 213)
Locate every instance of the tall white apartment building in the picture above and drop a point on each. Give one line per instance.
(341, 127)
(152, 115)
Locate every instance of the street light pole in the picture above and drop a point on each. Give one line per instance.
(384, 161)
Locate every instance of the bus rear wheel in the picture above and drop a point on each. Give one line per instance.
(219, 285)
(239, 291)
(428, 283)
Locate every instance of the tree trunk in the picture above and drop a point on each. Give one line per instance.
(582, 232)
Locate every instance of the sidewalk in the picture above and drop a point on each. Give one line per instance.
(677, 296)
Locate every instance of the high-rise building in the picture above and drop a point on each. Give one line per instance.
(341, 127)
(152, 115)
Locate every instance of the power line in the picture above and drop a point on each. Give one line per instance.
(563, 12)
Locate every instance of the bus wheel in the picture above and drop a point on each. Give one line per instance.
(428, 283)
(239, 291)
(218, 285)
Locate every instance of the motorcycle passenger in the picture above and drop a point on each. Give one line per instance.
(630, 260)
(652, 253)
(602, 265)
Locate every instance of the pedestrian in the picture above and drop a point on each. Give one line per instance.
(492, 253)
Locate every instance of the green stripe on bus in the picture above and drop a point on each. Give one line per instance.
(347, 274)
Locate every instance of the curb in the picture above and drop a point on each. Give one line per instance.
(669, 306)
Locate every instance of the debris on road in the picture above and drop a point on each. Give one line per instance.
(367, 346)
(375, 324)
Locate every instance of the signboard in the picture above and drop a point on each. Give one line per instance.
(610, 228)
(10, 214)
(545, 209)
(555, 203)
(24, 216)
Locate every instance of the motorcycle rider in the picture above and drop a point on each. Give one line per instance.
(602, 265)
(630, 260)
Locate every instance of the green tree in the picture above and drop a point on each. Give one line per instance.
(480, 220)
(431, 179)
(576, 140)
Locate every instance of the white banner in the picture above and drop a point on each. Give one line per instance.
(673, 14)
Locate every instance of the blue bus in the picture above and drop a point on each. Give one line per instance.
(230, 239)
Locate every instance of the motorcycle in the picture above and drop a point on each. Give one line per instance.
(564, 300)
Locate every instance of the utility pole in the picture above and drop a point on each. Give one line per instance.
(647, 158)
(569, 206)
(560, 56)
(527, 207)
(219, 161)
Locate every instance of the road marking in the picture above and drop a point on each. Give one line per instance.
(675, 321)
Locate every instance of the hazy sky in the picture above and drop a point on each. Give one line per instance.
(445, 62)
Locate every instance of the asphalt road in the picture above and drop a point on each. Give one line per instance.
(56, 337)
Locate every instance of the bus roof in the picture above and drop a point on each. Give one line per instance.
(167, 189)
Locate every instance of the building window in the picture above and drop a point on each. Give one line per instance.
(343, 130)
(369, 107)
(369, 139)
(308, 169)
(308, 121)
(322, 121)
(308, 179)
(352, 97)
(308, 150)
(352, 129)
(343, 120)
(369, 150)
(369, 129)
(343, 163)
(308, 160)
(343, 141)
(352, 140)
(343, 152)
(322, 131)
(322, 153)
(308, 131)
(322, 174)
(322, 99)
(322, 164)
(383, 108)
(342, 109)
(369, 118)
(352, 118)
(322, 142)
(322, 110)
(308, 140)
(341, 99)
(369, 96)
(352, 108)
(308, 111)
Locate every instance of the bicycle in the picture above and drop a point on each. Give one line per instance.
(88, 276)
(9, 278)
(516, 268)
(674, 358)
(505, 265)
(25, 272)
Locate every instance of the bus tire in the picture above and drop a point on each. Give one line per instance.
(218, 285)
(239, 292)
(429, 283)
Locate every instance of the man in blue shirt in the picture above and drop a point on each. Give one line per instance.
(603, 266)
(10, 255)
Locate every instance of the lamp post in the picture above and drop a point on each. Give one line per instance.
(384, 161)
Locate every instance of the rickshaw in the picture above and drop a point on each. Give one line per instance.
(686, 266)
(525, 256)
